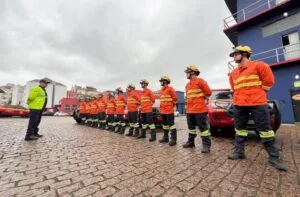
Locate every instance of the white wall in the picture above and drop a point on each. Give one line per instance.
(17, 94)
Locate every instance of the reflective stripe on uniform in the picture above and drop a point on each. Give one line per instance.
(152, 126)
(249, 84)
(204, 133)
(166, 127)
(136, 125)
(192, 131)
(195, 95)
(241, 132)
(123, 124)
(172, 127)
(266, 134)
(194, 91)
(246, 78)
(266, 87)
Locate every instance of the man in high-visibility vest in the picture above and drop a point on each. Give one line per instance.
(36, 101)
(120, 111)
(133, 102)
(147, 101)
(168, 99)
(197, 91)
(111, 110)
(101, 103)
(250, 82)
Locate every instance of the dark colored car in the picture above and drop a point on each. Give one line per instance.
(13, 110)
(220, 113)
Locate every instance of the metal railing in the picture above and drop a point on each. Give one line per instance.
(280, 54)
(250, 11)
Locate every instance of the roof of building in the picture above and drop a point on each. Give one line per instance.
(2, 91)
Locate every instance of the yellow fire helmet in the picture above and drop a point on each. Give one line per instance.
(241, 49)
(144, 81)
(119, 89)
(165, 78)
(192, 68)
(131, 86)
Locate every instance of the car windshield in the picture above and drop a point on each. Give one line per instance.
(221, 95)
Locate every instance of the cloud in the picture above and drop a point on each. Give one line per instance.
(111, 43)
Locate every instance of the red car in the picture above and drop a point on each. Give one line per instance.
(220, 113)
(13, 110)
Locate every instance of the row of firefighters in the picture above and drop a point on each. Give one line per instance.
(249, 81)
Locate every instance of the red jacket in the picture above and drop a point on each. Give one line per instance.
(121, 104)
(250, 83)
(101, 105)
(147, 100)
(196, 92)
(168, 99)
(133, 101)
(111, 106)
(82, 107)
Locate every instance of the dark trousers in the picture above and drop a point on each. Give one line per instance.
(101, 116)
(147, 120)
(261, 118)
(120, 120)
(199, 120)
(111, 120)
(133, 119)
(168, 121)
(34, 121)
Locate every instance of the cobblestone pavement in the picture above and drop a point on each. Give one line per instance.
(74, 160)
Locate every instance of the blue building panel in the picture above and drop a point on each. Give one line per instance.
(284, 78)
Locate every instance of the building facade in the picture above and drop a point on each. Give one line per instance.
(6, 94)
(272, 29)
(17, 94)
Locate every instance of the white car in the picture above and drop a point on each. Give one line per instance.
(61, 114)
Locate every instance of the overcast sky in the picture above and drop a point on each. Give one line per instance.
(110, 43)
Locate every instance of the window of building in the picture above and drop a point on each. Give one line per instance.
(291, 46)
(67, 107)
(74, 107)
(281, 25)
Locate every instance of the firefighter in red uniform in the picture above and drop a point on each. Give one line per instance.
(133, 102)
(101, 103)
(111, 109)
(168, 99)
(81, 107)
(197, 91)
(147, 101)
(94, 112)
(120, 111)
(88, 111)
(251, 81)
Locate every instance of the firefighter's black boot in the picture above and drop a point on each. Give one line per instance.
(113, 128)
(136, 132)
(119, 129)
(239, 149)
(123, 130)
(165, 138)
(173, 141)
(191, 141)
(130, 132)
(206, 144)
(103, 125)
(152, 135)
(142, 134)
(273, 154)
